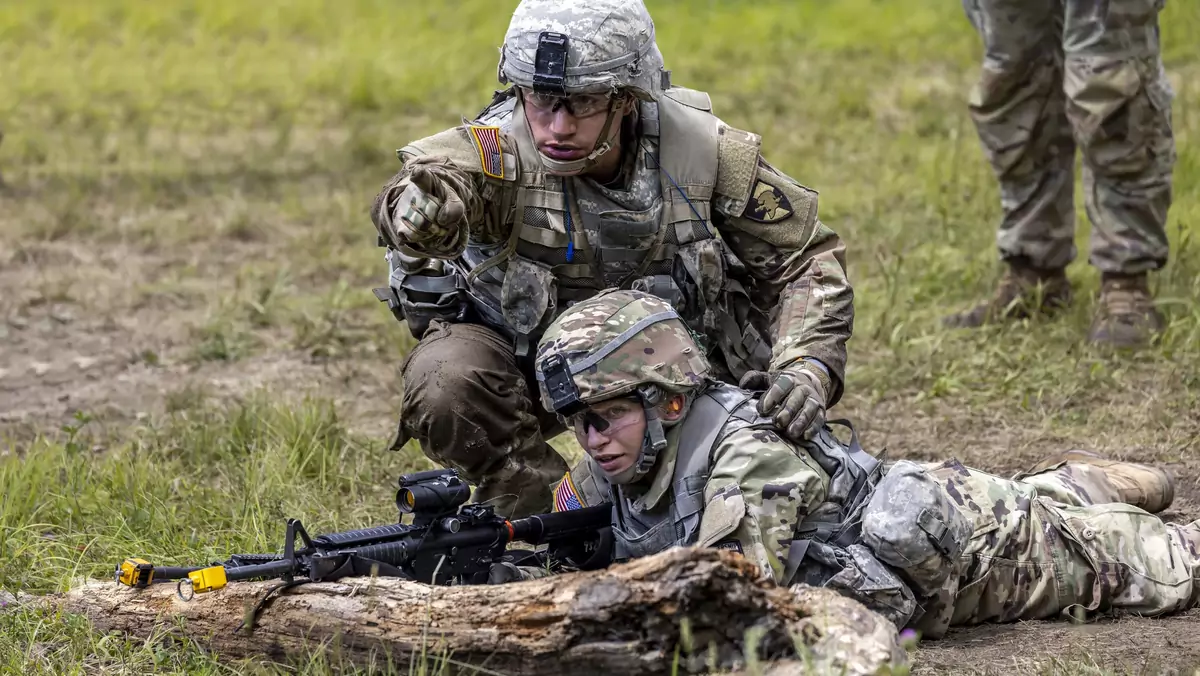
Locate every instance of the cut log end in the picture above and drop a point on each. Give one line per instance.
(708, 609)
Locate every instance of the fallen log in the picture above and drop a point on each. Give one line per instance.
(708, 609)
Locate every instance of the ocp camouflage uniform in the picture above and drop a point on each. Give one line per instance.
(755, 485)
(698, 217)
(1039, 545)
(1061, 74)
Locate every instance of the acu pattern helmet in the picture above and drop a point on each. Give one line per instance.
(577, 46)
(619, 343)
(568, 47)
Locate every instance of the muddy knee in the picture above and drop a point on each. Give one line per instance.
(465, 400)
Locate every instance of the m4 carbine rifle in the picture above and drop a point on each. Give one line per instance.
(448, 542)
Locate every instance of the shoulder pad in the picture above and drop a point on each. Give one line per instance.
(499, 111)
(737, 167)
(690, 97)
(479, 149)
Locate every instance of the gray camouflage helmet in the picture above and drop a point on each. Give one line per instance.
(608, 46)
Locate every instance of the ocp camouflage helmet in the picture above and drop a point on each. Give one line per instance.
(619, 341)
(609, 46)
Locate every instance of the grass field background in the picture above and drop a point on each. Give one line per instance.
(186, 265)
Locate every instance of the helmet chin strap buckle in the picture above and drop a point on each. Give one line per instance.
(574, 167)
(655, 440)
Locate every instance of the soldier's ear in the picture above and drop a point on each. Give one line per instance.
(672, 409)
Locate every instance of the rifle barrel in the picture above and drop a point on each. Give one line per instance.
(542, 527)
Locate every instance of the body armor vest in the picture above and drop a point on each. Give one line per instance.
(717, 413)
(571, 238)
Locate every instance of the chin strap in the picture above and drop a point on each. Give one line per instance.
(655, 440)
(603, 145)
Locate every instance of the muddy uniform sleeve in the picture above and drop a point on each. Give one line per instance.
(447, 167)
(758, 488)
(799, 268)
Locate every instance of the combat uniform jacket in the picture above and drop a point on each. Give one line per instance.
(725, 479)
(703, 221)
(795, 510)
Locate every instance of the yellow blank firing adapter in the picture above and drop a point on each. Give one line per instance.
(135, 573)
(208, 579)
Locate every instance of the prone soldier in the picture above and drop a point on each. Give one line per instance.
(686, 460)
(590, 171)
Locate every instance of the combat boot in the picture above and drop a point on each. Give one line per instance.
(1023, 291)
(1150, 488)
(1125, 314)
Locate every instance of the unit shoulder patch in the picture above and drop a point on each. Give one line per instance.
(487, 142)
(767, 204)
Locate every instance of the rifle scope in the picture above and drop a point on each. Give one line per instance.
(436, 491)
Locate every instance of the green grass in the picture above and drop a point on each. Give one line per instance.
(216, 159)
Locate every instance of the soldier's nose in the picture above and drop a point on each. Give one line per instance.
(562, 124)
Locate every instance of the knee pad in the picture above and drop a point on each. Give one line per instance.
(912, 524)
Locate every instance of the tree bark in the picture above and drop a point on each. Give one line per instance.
(711, 607)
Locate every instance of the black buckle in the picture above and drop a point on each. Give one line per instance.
(550, 64)
(564, 396)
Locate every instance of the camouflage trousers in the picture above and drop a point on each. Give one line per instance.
(1058, 74)
(1059, 543)
(473, 406)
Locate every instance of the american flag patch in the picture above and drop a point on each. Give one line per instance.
(565, 497)
(487, 142)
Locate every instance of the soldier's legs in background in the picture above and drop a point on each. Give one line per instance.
(1019, 111)
(468, 403)
(1119, 105)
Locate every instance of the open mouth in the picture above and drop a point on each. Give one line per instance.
(562, 152)
(608, 461)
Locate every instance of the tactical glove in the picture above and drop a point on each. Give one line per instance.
(424, 209)
(795, 398)
(501, 573)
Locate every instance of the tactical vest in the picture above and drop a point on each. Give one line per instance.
(571, 239)
(715, 414)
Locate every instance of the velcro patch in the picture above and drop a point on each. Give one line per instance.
(767, 204)
(737, 165)
(487, 142)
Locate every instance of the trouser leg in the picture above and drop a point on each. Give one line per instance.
(1119, 106)
(1032, 557)
(1074, 484)
(1018, 107)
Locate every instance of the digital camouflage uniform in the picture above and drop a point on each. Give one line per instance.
(1061, 538)
(1061, 74)
(697, 216)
